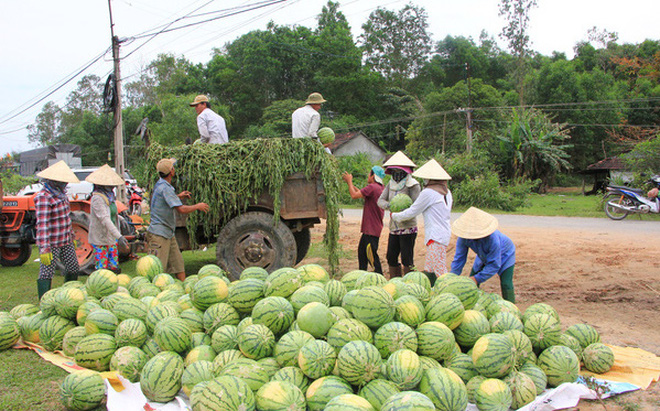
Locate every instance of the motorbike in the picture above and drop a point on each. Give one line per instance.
(619, 201)
(135, 195)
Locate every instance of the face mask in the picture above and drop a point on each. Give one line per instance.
(398, 175)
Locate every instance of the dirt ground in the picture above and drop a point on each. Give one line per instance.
(611, 281)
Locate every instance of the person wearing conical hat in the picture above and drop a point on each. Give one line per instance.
(434, 203)
(401, 241)
(496, 253)
(53, 230)
(104, 234)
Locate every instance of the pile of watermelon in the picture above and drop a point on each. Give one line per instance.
(295, 339)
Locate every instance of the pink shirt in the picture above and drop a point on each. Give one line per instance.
(372, 215)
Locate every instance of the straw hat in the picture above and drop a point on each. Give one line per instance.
(432, 170)
(399, 159)
(59, 172)
(474, 223)
(315, 98)
(166, 165)
(105, 176)
(200, 99)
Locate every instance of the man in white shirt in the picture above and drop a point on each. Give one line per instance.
(306, 120)
(212, 127)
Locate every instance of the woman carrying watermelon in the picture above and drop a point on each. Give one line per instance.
(104, 234)
(401, 241)
(496, 254)
(434, 203)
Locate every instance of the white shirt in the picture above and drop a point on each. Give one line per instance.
(212, 128)
(436, 212)
(305, 122)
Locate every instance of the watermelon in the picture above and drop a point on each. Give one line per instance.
(22, 310)
(108, 302)
(160, 379)
(173, 334)
(598, 358)
(270, 365)
(321, 391)
(428, 362)
(9, 332)
(560, 364)
(349, 279)
(282, 282)
(404, 369)
(82, 390)
(274, 312)
(68, 300)
(294, 375)
(373, 306)
(400, 202)
(150, 347)
(188, 283)
(523, 389)
(244, 323)
(435, 340)
(135, 283)
(248, 370)
(408, 401)
(584, 333)
(410, 311)
(503, 305)
(348, 402)
(417, 291)
(211, 270)
(130, 308)
(71, 339)
(289, 345)
(378, 391)
(101, 283)
(51, 332)
(417, 277)
(522, 347)
(339, 313)
(225, 338)
(199, 338)
(243, 295)
(208, 291)
(95, 352)
(256, 341)
(147, 290)
(504, 321)
(370, 279)
(335, 290)
(315, 318)
(227, 393)
(254, 272)
(194, 318)
(394, 336)
(572, 343)
(462, 287)
(536, 374)
(194, 374)
(463, 366)
(148, 266)
(472, 386)
(220, 314)
(131, 332)
(473, 326)
(101, 321)
(540, 308)
(84, 310)
(445, 308)
(280, 395)
(162, 280)
(200, 353)
(543, 331)
(326, 135)
(308, 294)
(445, 389)
(225, 358)
(184, 302)
(128, 362)
(493, 355)
(348, 330)
(313, 272)
(359, 362)
(493, 395)
(47, 303)
(29, 327)
(158, 313)
(348, 300)
(317, 359)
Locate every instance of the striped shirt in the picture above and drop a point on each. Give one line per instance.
(53, 220)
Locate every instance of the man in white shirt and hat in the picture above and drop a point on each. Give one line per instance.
(306, 120)
(212, 127)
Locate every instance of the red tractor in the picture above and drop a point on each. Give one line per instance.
(18, 231)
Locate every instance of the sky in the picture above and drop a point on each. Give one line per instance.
(43, 43)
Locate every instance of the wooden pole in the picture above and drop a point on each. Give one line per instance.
(117, 126)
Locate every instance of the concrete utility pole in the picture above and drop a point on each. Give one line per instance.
(468, 110)
(118, 126)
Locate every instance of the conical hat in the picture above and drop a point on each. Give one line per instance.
(59, 172)
(474, 223)
(432, 170)
(105, 176)
(399, 159)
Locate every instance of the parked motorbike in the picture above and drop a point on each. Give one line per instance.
(619, 201)
(135, 196)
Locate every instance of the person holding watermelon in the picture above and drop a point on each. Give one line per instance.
(401, 241)
(434, 203)
(496, 253)
(372, 217)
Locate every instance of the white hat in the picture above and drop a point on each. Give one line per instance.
(399, 159)
(474, 223)
(432, 170)
(59, 172)
(105, 176)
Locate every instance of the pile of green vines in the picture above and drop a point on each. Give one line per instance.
(230, 177)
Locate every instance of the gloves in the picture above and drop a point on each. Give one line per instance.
(46, 258)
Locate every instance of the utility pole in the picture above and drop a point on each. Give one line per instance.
(468, 110)
(117, 126)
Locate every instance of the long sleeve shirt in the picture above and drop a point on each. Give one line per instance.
(305, 122)
(412, 189)
(436, 209)
(495, 254)
(102, 230)
(212, 127)
(53, 221)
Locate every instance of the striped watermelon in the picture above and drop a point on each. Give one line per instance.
(282, 282)
(417, 291)
(280, 395)
(47, 303)
(162, 280)
(584, 333)
(335, 290)
(225, 338)
(101, 283)
(84, 310)
(348, 402)
(317, 359)
(308, 294)
(71, 339)
(173, 334)
(523, 389)
(130, 308)
(493, 395)
(315, 318)
(435, 340)
(408, 401)
(211, 270)
(135, 283)
(171, 295)
(294, 375)
(148, 266)
(472, 386)
(225, 358)
(150, 347)
(572, 343)
(199, 338)
(536, 374)
(289, 345)
(256, 341)
(463, 366)
(95, 352)
(416, 277)
(428, 362)
(350, 279)
(473, 326)
(208, 291)
(445, 308)
(194, 374)
(270, 365)
(445, 389)
(225, 393)
(68, 300)
(321, 391)
(410, 311)
(200, 353)
(194, 318)
(504, 321)
(359, 362)
(108, 302)
(522, 347)
(244, 323)
(147, 290)
(188, 283)
(540, 308)
(158, 313)
(274, 312)
(394, 336)
(160, 379)
(378, 391)
(313, 272)
(339, 313)
(462, 287)
(128, 362)
(122, 280)
(9, 332)
(373, 306)
(82, 390)
(29, 327)
(370, 279)
(131, 332)
(348, 301)
(348, 330)
(243, 295)
(248, 370)
(503, 306)
(598, 358)
(22, 310)
(254, 272)
(220, 314)
(543, 331)
(184, 302)
(101, 321)
(51, 332)
(404, 369)
(560, 364)
(493, 355)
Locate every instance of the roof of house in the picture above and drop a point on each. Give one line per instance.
(611, 163)
(343, 138)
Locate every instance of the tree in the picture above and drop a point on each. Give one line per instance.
(396, 44)
(46, 128)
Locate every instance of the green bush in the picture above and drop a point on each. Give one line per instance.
(359, 165)
(12, 183)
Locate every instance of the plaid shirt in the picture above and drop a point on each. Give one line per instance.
(53, 221)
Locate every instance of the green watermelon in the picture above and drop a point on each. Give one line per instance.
(308, 294)
(523, 389)
(326, 135)
(220, 314)
(536, 374)
(101, 321)
(313, 272)
(463, 366)
(350, 279)
(160, 379)
(373, 306)
(410, 311)
(68, 300)
(394, 336)
(225, 338)
(200, 353)
(378, 391)
(368, 279)
(82, 390)
(408, 401)
(227, 393)
(274, 312)
(225, 358)
(173, 334)
(445, 308)
(254, 272)
(130, 308)
(493, 395)
(560, 364)
(294, 375)
(29, 327)
(348, 330)
(208, 291)
(435, 340)
(472, 386)
(400, 202)
(150, 347)
(504, 321)
(348, 402)
(131, 332)
(417, 277)
(51, 332)
(473, 326)
(148, 266)
(540, 308)
(245, 294)
(428, 362)
(101, 283)
(404, 369)
(195, 373)
(543, 331)
(584, 333)
(445, 389)
(22, 310)
(280, 395)
(335, 290)
(158, 313)
(211, 269)
(315, 318)
(10, 332)
(462, 287)
(598, 358)
(572, 343)
(95, 352)
(47, 303)
(199, 338)
(493, 355)
(359, 362)
(282, 282)
(522, 347)
(317, 359)
(289, 345)
(71, 339)
(248, 370)
(256, 341)
(128, 362)
(321, 391)
(84, 310)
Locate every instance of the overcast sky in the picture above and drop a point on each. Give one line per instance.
(44, 42)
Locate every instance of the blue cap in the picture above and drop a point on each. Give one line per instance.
(379, 173)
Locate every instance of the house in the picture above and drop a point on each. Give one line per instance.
(355, 142)
(33, 161)
(603, 171)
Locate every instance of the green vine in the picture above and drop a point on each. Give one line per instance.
(230, 177)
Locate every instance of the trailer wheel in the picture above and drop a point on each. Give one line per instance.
(303, 241)
(84, 251)
(15, 256)
(253, 240)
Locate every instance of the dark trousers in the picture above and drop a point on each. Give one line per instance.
(403, 245)
(368, 253)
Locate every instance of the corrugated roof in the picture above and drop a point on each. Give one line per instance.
(611, 163)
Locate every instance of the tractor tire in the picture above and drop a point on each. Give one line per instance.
(303, 242)
(84, 251)
(253, 240)
(15, 256)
